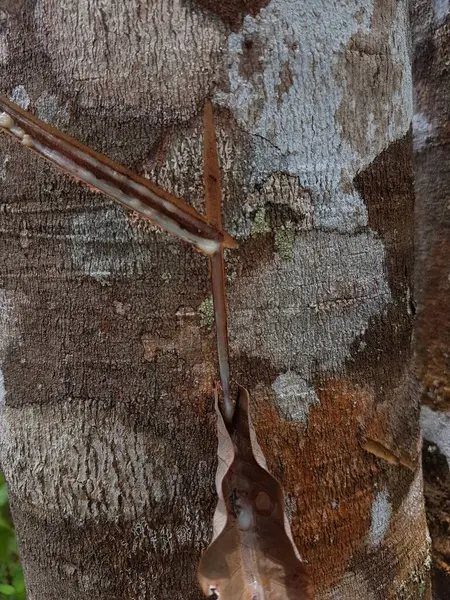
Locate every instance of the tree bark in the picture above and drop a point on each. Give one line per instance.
(108, 350)
(432, 158)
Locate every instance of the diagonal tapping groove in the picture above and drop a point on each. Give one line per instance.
(114, 180)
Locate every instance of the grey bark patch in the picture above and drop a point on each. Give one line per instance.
(423, 131)
(4, 26)
(2, 391)
(8, 320)
(104, 244)
(49, 109)
(308, 311)
(20, 96)
(304, 133)
(441, 10)
(380, 519)
(165, 42)
(436, 428)
(3, 167)
(85, 472)
(294, 397)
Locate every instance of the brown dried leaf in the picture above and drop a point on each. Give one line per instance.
(252, 555)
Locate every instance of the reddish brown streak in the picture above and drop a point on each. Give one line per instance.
(213, 196)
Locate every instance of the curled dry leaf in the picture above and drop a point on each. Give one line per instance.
(252, 555)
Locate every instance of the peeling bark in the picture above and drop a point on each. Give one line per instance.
(108, 359)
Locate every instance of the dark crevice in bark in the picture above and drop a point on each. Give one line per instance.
(231, 12)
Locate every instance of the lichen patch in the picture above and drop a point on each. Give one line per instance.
(4, 51)
(294, 397)
(105, 245)
(8, 320)
(380, 518)
(308, 311)
(206, 312)
(308, 134)
(2, 391)
(20, 96)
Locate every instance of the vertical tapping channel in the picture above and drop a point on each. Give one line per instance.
(213, 196)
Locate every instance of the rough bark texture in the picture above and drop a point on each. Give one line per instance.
(108, 360)
(432, 152)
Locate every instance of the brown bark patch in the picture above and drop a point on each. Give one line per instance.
(431, 37)
(386, 186)
(328, 464)
(393, 426)
(232, 12)
(248, 369)
(251, 63)
(258, 251)
(286, 81)
(368, 59)
(433, 330)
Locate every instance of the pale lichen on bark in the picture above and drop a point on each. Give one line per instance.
(306, 132)
(294, 397)
(50, 110)
(309, 311)
(381, 515)
(20, 96)
(107, 244)
(436, 428)
(4, 26)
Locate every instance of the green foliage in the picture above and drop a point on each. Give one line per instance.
(12, 586)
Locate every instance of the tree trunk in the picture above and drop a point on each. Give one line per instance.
(432, 152)
(108, 348)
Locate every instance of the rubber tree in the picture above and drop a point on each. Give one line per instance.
(432, 155)
(108, 358)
